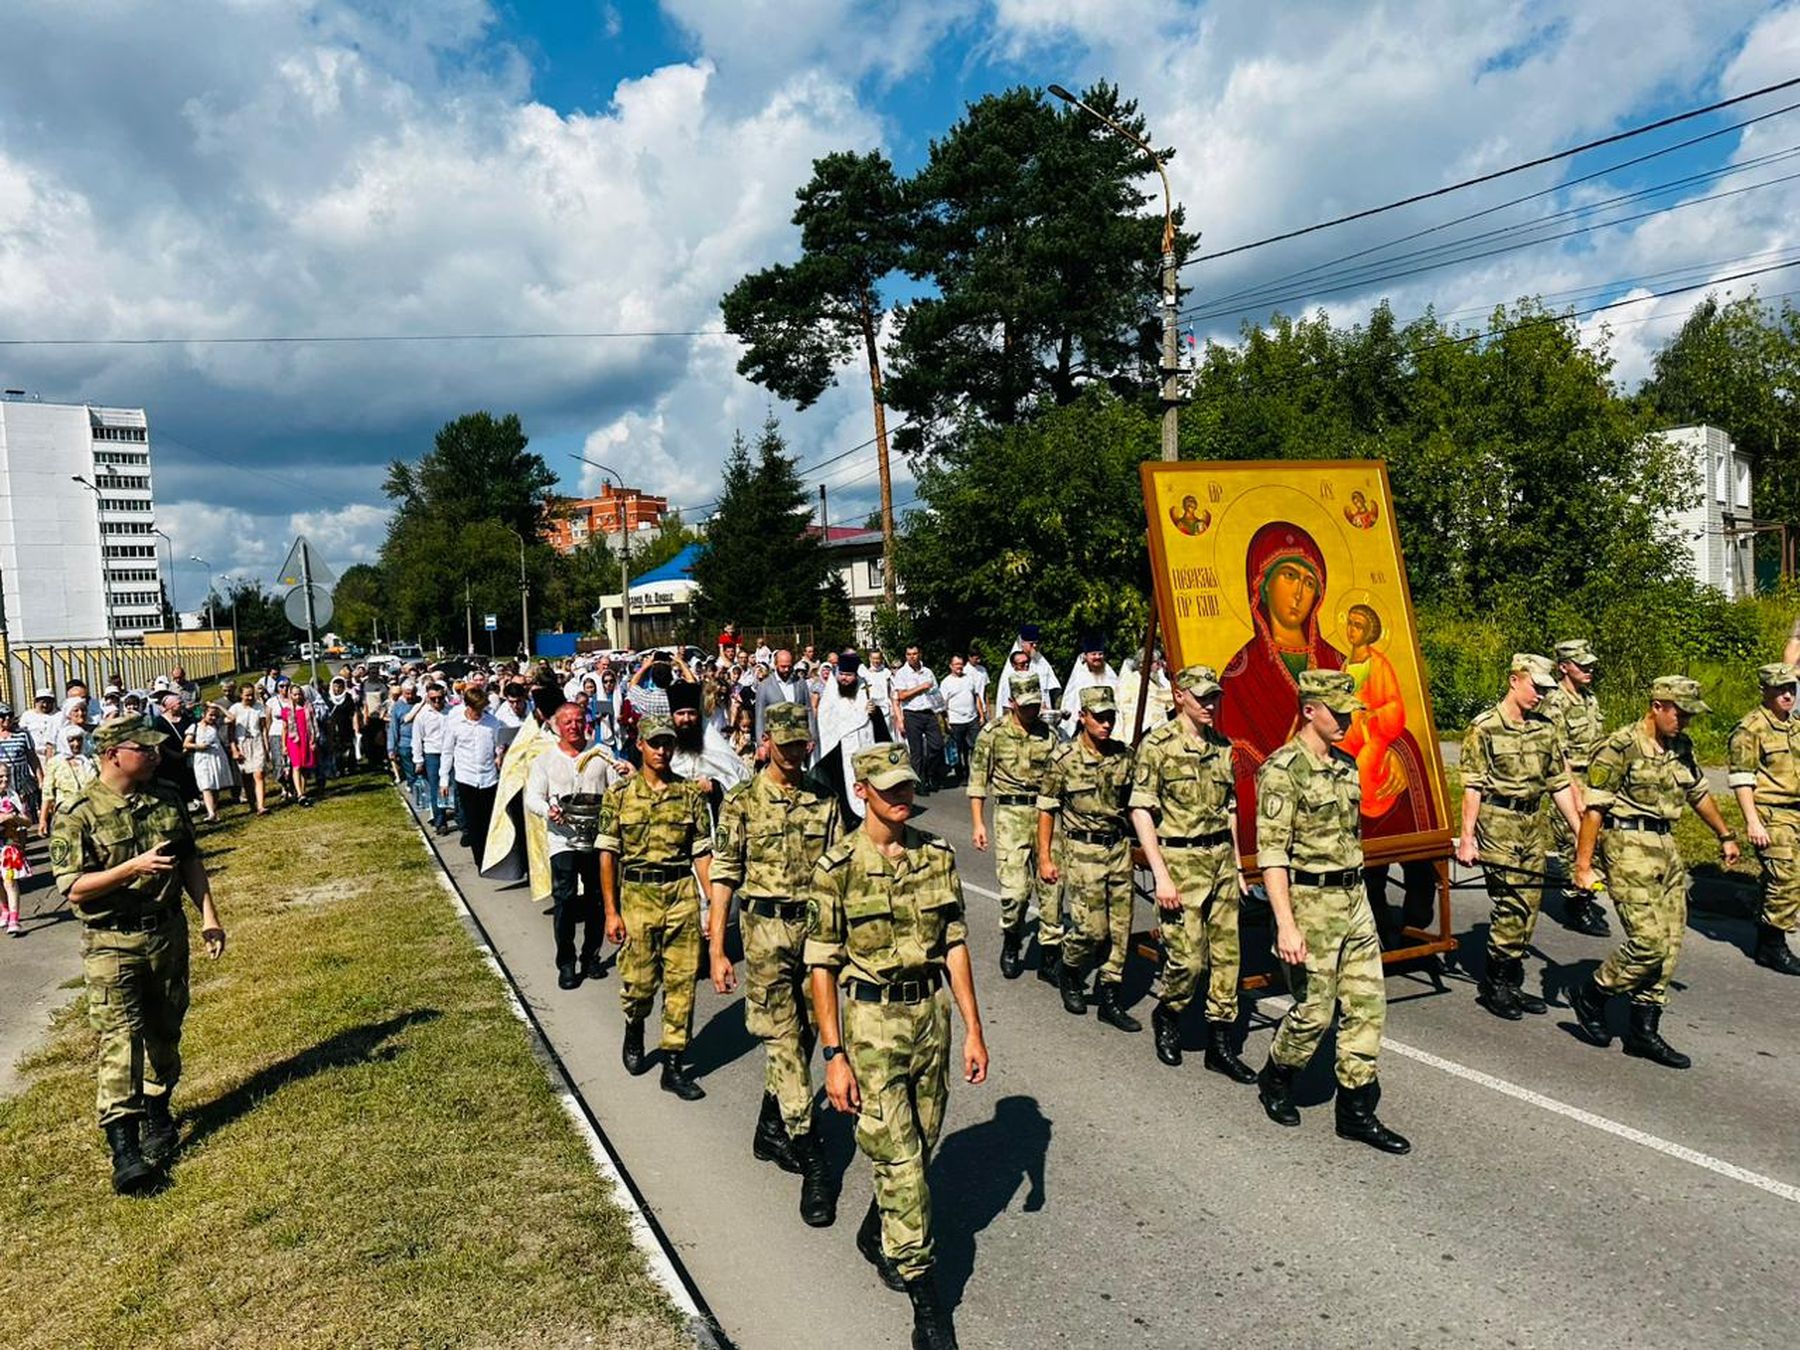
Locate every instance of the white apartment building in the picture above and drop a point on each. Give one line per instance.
(77, 563)
(1722, 558)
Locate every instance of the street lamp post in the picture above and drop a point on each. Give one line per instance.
(624, 544)
(524, 598)
(1171, 395)
(195, 557)
(112, 639)
(174, 613)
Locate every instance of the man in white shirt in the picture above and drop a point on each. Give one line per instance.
(564, 786)
(39, 722)
(918, 703)
(1036, 663)
(514, 712)
(965, 711)
(846, 724)
(471, 758)
(428, 750)
(879, 680)
(1090, 670)
(976, 669)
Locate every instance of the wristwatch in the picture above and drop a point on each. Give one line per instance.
(831, 1052)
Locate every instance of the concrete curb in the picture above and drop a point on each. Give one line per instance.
(665, 1266)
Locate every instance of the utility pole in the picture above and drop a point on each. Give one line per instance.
(312, 636)
(1171, 360)
(624, 505)
(469, 617)
(824, 520)
(524, 598)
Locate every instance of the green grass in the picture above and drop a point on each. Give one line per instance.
(371, 1154)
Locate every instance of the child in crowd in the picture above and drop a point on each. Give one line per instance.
(14, 828)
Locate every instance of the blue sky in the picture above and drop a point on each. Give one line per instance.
(246, 168)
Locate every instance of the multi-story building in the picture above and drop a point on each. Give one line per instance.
(78, 555)
(574, 522)
(856, 554)
(1713, 527)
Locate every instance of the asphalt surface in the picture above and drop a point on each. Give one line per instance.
(1556, 1193)
(35, 967)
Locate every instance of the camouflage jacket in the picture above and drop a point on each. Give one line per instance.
(1009, 760)
(1764, 754)
(103, 829)
(672, 826)
(1635, 778)
(1185, 780)
(1089, 790)
(1522, 759)
(1308, 813)
(768, 839)
(882, 919)
(1577, 717)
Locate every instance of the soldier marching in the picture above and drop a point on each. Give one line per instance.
(1011, 756)
(1764, 752)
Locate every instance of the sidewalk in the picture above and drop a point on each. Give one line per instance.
(36, 969)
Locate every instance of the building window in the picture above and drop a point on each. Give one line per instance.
(133, 483)
(130, 551)
(873, 573)
(138, 434)
(131, 459)
(125, 504)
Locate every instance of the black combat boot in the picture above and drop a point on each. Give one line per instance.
(1584, 915)
(818, 1200)
(1275, 1089)
(566, 976)
(1495, 992)
(1049, 963)
(868, 1242)
(131, 1174)
(1074, 988)
(1221, 1058)
(1165, 1022)
(1514, 975)
(1012, 956)
(1644, 1041)
(676, 1079)
(932, 1328)
(158, 1133)
(770, 1142)
(1107, 1009)
(1588, 1001)
(593, 965)
(1356, 1119)
(1772, 950)
(632, 1052)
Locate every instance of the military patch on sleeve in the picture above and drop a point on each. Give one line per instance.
(812, 916)
(61, 853)
(1140, 776)
(1272, 804)
(1603, 773)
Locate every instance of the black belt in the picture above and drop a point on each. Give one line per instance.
(1350, 876)
(788, 911)
(1107, 838)
(657, 872)
(1656, 826)
(133, 923)
(1781, 806)
(898, 991)
(1197, 840)
(1524, 806)
(1016, 799)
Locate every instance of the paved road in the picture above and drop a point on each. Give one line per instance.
(1087, 1195)
(34, 968)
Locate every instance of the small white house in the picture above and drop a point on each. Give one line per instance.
(1722, 556)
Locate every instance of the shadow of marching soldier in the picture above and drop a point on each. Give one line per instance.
(976, 1174)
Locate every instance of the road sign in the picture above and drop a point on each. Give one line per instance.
(490, 622)
(295, 606)
(303, 559)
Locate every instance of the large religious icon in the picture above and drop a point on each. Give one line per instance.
(1300, 569)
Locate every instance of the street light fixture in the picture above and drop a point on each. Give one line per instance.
(524, 597)
(624, 542)
(112, 639)
(195, 557)
(1171, 398)
(174, 613)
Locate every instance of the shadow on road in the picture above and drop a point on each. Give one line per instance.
(974, 1176)
(723, 1040)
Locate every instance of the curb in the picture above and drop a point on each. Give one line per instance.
(665, 1267)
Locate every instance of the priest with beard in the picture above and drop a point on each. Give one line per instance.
(701, 751)
(845, 717)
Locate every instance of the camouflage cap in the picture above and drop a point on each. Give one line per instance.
(1542, 673)
(884, 766)
(1578, 651)
(1336, 689)
(1099, 698)
(656, 728)
(1681, 691)
(786, 723)
(1778, 675)
(127, 729)
(1200, 681)
(1027, 689)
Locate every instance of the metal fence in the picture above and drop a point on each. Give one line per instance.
(28, 667)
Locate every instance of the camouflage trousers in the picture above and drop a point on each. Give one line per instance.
(1203, 936)
(662, 948)
(1015, 863)
(900, 1054)
(137, 996)
(1781, 868)
(778, 1012)
(1097, 896)
(1648, 882)
(1343, 968)
(1559, 862)
(1512, 849)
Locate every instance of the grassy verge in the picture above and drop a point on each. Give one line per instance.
(371, 1155)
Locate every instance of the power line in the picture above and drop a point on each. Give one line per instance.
(1479, 179)
(296, 338)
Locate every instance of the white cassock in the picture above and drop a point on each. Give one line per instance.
(1082, 678)
(715, 760)
(843, 730)
(1040, 667)
(1156, 710)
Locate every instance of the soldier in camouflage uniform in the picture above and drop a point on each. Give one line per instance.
(1184, 810)
(1011, 755)
(772, 830)
(1309, 845)
(1085, 790)
(885, 926)
(1637, 786)
(1512, 758)
(655, 834)
(1575, 710)
(123, 853)
(1765, 774)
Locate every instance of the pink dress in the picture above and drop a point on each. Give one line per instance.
(297, 738)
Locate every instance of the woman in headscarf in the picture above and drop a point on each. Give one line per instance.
(67, 773)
